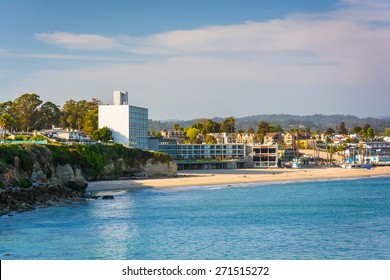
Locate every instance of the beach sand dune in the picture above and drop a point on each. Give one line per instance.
(237, 176)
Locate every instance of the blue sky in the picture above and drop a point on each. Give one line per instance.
(188, 59)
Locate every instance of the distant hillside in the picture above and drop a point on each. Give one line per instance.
(313, 122)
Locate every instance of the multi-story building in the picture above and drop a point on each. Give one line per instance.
(129, 124)
(377, 153)
(164, 145)
(211, 151)
(265, 155)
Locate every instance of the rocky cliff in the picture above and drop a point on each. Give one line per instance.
(33, 175)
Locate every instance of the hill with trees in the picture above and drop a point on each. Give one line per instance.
(287, 122)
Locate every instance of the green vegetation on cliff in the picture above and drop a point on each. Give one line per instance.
(93, 159)
(96, 162)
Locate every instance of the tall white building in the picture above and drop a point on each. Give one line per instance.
(129, 124)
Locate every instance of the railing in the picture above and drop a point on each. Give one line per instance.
(41, 142)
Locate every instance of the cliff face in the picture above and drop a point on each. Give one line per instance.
(28, 173)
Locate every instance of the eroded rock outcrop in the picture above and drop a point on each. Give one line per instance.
(33, 175)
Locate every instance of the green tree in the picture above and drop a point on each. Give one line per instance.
(103, 134)
(263, 128)
(90, 121)
(356, 129)
(81, 115)
(228, 125)
(275, 128)
(69, 114)
(387, 132)
(176, 127)
(370, 133)
(6, 122)
(25, 110)
(210, 127)
(329, 131)
(341, 129)
(5, 107)
(250, 130)
(49, 115)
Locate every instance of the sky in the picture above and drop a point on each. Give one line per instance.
(187, 59)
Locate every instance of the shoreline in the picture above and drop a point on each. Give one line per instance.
(215, 177)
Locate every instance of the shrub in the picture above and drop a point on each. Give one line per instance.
(25, 183)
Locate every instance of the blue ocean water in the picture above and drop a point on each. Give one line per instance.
(336, 219)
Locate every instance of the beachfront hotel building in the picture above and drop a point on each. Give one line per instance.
(265, 155)
(217, 156)
(211, 151)
(211, 156)
(128, 123)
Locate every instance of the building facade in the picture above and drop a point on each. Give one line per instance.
(164, 145)
(265, 155)
(211, 151)
(129, 124)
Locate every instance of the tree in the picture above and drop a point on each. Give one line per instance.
(49, 115)
(366, 127)
(341, 129)
(6, 121)
(81, 114)
(103, 134)
(329, 131)
(210, 139)
(275, 128)
(176, 127)
(210, 127)
(69, 114)
(370, 133)
(25, 110)
(192, 133)
(263, 128)
(387, 132)
(228, 125)
(356, 129)
(5, 107)
(90, 121)
(250, 130)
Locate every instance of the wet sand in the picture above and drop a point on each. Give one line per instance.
(236, 176)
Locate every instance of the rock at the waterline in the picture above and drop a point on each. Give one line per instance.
(107, 197)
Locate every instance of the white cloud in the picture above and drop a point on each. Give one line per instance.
(303, 63)
(79, 41)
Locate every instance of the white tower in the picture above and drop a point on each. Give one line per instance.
(121, 98)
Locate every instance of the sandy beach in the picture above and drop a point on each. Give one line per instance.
(237, 176)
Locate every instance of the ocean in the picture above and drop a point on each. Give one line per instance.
(317, 220)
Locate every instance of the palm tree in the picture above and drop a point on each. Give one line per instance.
(6, 121)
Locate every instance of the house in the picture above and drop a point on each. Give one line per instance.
(180, 136)
(248, 138)
(272, 138)
(289, 139)
(66, 135)
(224, 138)
(129, 124)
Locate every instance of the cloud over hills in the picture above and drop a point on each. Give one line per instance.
(294, 62)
